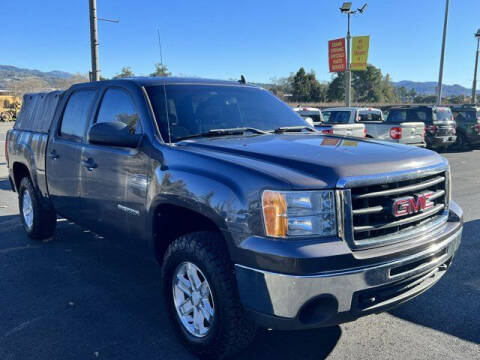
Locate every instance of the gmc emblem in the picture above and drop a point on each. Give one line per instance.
(412, 204)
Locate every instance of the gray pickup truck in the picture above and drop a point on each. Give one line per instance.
(408, 133)
(255, 218)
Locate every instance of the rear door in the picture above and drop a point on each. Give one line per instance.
(114, 179)
(63, 153)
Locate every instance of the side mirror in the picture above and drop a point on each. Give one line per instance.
(113, 133)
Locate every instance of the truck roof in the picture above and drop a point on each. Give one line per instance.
(345, 108)
(167, 80)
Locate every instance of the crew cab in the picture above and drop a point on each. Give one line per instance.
(467, 119)
(440, 127)
(256, 219)
(376, 127)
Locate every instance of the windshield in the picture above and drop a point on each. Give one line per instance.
(336, 117)
(444, 115)
(188, 110)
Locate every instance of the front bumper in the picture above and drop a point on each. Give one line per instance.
(282, 301)
(441, 141)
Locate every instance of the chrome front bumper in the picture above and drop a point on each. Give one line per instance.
(286, 296)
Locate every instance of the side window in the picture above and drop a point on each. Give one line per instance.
(74, 118)
(117, 105)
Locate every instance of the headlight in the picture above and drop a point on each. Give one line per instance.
(299, 213)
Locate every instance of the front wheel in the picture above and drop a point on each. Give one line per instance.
(38, 221)
(202, 298)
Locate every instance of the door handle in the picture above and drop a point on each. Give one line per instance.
(89, 164)
(53, 155)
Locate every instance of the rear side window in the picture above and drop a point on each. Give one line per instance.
(75, 116)
(118, 105)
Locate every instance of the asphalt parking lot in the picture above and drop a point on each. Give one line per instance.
(81, 296)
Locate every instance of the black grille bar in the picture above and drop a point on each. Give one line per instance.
(401, 190)
(405, 221)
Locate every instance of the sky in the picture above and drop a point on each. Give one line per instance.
(222, 39)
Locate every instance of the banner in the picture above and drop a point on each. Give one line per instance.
(337, 60)
(360, 53)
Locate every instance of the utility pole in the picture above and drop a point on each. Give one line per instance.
(348, 73)
(474, 87)
(442, 56)
(347, 9)
(95, 73)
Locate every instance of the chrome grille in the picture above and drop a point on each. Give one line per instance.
(368, 216)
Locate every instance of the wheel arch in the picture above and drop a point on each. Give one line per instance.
(170, 220)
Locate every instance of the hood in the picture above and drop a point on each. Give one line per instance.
(326, 158)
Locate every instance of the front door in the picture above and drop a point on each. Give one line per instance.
(114, 179)
(64, 151)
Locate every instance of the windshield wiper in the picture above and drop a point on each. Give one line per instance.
(223, 132)
(285, 129)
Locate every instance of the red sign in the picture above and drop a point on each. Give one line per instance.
(337, 59)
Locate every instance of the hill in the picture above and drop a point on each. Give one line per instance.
(429, 88)
(9, 73)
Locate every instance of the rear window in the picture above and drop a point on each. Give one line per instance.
(364, 116)
(465, 116)
(409, 115)
(336, 117)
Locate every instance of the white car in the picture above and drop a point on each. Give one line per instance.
(312, 115)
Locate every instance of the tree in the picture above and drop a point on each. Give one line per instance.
(306, 87)
(126, 72)
(161, 70)
(367, 86)
(336, 88)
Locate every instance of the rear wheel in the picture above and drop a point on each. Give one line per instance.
(202, 298)
(38, 222)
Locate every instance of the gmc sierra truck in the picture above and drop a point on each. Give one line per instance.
(255, 218)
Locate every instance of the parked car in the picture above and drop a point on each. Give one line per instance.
(376, 127)
(467, 118)
(338, 121)
(440, 127)
(255, 218)
(312, 113)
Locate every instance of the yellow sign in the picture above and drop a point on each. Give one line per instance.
(360, 53)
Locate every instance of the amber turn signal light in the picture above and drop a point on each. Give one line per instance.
(275, 214)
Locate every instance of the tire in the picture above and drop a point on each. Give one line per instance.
(461, 143)
(38, 221)
(229, 332)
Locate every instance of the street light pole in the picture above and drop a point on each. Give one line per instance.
(95, 73)
(442, 56)
(347, 9)
(474, 87)
(348, 73)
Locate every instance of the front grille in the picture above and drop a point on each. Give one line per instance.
(372, 217)
(445, 130)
